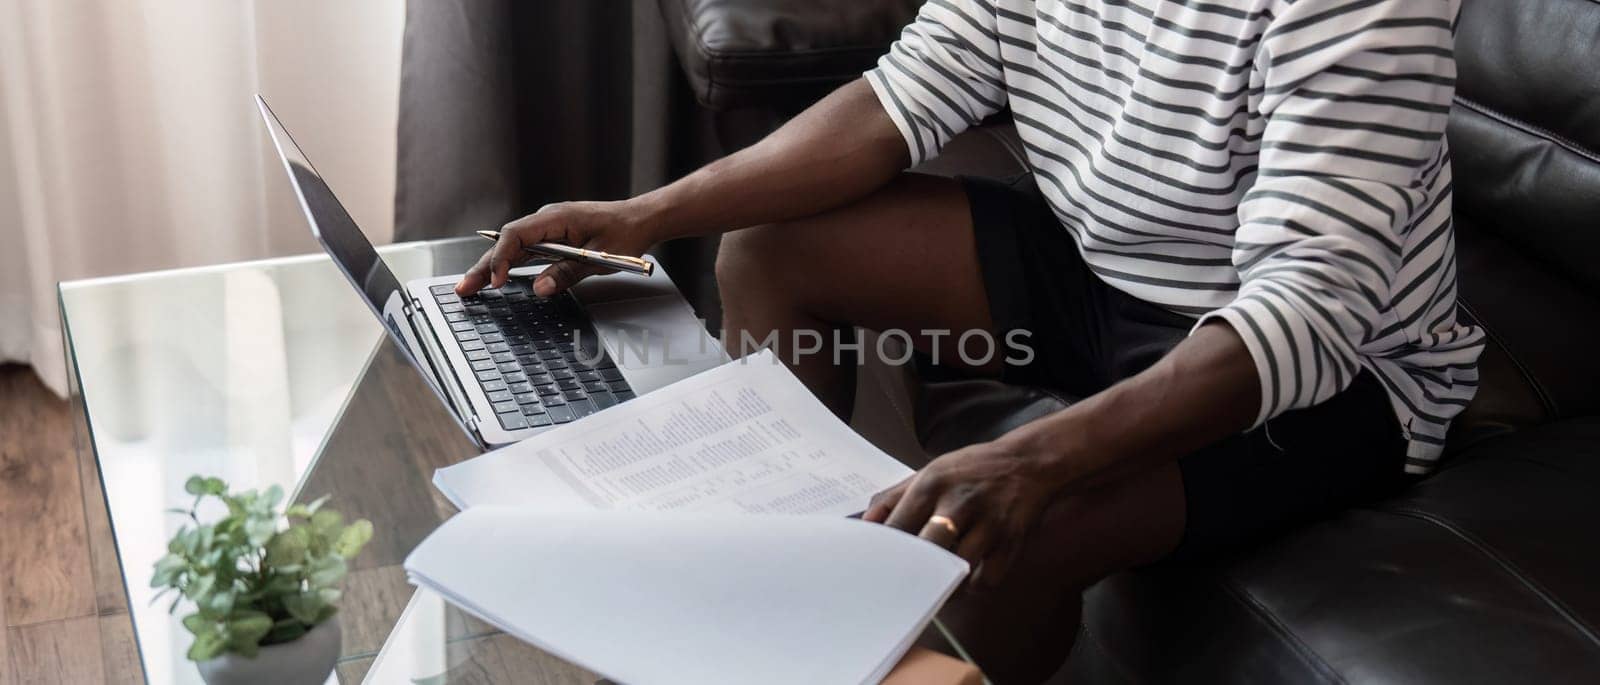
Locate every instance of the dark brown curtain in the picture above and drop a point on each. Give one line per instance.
(507, 105)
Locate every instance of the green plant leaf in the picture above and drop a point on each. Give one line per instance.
(259, 530)
(326, 521)
(305, 607)
(281, 585)
(243, 647)
(248, 625)
(256, 503)
(287, 548)
(326, 571)
(198, 624)
(285, 630)
(189, 539)
(219, 603)
(207, 646)
(200, 586)
(167, 570)
(304, 511)
(243, 569)
(353, 538)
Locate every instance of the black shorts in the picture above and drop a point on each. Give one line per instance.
(1087, 335)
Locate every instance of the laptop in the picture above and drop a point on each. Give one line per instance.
(507, 363)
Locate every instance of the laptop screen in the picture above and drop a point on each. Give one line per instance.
(349, 248)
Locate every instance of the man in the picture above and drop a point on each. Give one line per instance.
(1235, 244)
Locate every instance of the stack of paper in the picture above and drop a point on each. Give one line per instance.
(745, 437)
(630, 542)
(694, 598)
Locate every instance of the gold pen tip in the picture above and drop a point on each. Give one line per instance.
(492, 235)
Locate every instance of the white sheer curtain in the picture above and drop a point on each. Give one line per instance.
(129, 141)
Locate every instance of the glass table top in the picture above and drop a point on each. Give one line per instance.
(275, 373)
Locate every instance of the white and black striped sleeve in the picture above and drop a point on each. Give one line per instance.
(1355, 97)
(943, 75)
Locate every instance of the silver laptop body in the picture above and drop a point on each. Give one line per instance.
(644, 325)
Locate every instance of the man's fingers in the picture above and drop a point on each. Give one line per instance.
(883, 503)
(940, 532)
(516, 236)
(562, 275)
(974, 544)
(952, 520)
(915, 506)
(476, 277)
(507, 253)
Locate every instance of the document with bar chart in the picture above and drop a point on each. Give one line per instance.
(745, 437)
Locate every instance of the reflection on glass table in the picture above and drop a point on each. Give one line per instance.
(254, 373)
(433, 642)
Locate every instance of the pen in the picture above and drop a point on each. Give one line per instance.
(635, 265)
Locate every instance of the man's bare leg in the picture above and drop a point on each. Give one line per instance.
(1021, 630)
(901, 258)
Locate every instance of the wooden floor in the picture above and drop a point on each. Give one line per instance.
(64, 622)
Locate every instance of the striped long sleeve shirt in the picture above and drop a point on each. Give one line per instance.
(1277, 164)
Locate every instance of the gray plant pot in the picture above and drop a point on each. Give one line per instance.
(306, 661)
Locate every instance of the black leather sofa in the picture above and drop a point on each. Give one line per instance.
(1486, 572)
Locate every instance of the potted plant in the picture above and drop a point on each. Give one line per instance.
(264, 587)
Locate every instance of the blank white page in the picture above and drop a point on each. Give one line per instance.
(648, 597)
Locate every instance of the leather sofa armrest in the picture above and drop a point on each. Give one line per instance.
(783, 53)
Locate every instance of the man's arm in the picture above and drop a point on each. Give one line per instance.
(942, 76)
(834, 152)
(1317, 249)
(1351, 144)
(837, 150)
(1204, 390)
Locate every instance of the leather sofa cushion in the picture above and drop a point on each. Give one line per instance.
(1539, 363)
(1525, 146)
(767, 53)
(1483, 573)
(1533, 63)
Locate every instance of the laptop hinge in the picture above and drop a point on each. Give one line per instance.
(437, 362)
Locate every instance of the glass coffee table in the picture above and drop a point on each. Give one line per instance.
(274, 373)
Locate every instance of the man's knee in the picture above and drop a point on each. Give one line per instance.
(748, 261)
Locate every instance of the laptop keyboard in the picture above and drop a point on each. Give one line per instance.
(521, 350)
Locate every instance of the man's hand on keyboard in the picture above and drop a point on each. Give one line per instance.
(613, 227)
